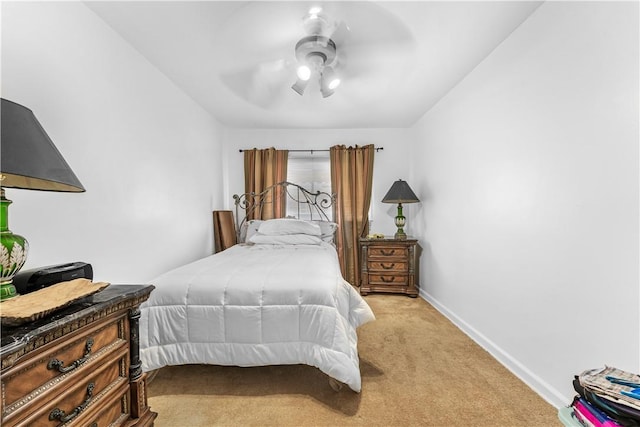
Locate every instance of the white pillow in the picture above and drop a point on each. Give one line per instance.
(252, 228)
(285, 239)
(327, 230)
(282, 226)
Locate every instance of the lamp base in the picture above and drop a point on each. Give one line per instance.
(400, 221)
(13, 252)
(400, 235)
(7, 290)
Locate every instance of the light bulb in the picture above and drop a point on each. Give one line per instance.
(303, 72)
(334, 83)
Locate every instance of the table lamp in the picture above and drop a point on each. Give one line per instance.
(29, 160)
(400, 193)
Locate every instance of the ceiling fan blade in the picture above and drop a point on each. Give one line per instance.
(361, 23)
(261, 31)
(370, 40)
(340, 33)
(262, 85)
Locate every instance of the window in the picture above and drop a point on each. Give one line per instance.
(310, 170)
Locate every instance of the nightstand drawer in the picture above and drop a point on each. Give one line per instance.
(388, 279)
(388, 251)
(389, 265)
(31, 378)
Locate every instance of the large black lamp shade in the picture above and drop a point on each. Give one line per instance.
(28, 160)
(400, 193)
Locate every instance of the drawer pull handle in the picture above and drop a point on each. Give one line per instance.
(391, 252)
(59, 364)
(389, 280)
(387, 267)
(60, 415)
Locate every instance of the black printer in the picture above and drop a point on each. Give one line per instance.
(38, 278)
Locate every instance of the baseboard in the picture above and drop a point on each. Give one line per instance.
(542, 388)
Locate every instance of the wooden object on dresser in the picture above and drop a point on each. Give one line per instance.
(78, 366)
(389, 265)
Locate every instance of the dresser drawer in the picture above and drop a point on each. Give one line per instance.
(30, 378)
(114, 413)
(80, 403)
(388, 279)
(387, 251)
(110, 408)
(389, 265)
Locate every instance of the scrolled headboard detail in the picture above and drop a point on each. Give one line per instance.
(313, 205)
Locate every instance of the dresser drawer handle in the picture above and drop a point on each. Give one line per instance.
(387, 267)
(391, 252)
(59, 364)
(60, 415)
(389, 280)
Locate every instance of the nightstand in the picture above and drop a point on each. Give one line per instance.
(389, 265)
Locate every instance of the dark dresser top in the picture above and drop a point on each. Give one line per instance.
(16, 338)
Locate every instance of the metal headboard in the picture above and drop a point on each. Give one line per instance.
(315, 204)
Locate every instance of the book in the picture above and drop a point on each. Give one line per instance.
(595, 417)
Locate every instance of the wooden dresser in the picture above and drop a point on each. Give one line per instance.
(389, 265)
(78, 366)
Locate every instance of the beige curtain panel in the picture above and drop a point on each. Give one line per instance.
(351, 181)
(262, 169)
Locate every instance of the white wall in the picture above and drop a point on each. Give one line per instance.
(529, 175)
(148, 156)
(390, 164)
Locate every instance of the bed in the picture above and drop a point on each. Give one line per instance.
(276, 299)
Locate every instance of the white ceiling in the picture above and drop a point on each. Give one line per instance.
(236, 58)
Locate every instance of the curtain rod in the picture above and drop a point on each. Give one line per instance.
(307, 151)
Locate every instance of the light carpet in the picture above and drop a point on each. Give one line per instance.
(417, 369)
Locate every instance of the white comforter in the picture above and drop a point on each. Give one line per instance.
(256, 305)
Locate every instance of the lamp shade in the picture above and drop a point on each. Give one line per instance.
(29, 159)
(400, 192)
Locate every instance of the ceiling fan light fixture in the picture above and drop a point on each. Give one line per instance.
(325, 89)
(303, 72)
(299, 86)
(326, 92)
(330, 81)
(315, 55)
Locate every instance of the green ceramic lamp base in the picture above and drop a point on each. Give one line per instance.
(7, 290)
(13, 252)
(400, 221)
(400, 234)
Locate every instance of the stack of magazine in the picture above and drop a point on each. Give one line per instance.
(607, 397)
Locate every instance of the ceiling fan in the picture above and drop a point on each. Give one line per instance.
(316, 55)
(347, 44)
